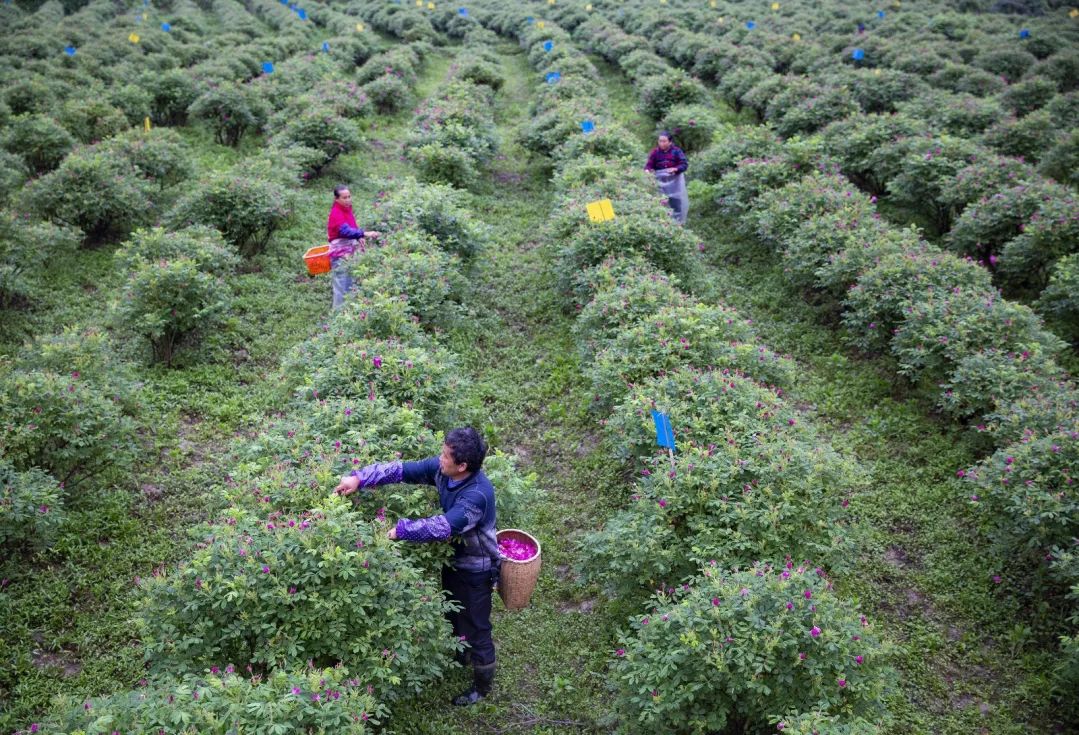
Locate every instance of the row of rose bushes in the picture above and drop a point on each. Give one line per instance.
(955, 158)
(295, 608)
(70, 401)
(453, 132)
(121, 179)
(750, 481)
(986, 360)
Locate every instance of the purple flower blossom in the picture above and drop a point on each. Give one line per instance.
(620, 652)
(842, 683)
(265, 569)
(814, 631)
(296, 690)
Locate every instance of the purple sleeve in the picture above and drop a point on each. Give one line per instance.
(383, 473)
(435, 528)
(651, 164)
(683, 162)
(347, 231)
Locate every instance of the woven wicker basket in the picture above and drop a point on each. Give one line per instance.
(518, 578)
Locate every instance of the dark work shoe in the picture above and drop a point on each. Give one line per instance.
(483, 677)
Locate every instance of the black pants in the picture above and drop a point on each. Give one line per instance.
(472, 590)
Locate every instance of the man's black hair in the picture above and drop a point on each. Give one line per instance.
(466, 447)
(338, 189)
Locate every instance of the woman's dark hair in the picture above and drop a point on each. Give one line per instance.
(338, 189)
(665, 134)
(467, 447)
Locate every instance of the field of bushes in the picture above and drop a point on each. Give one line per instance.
(864, 338)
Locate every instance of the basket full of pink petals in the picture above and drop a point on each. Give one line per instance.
(520, 552)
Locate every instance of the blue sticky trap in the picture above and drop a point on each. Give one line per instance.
(267, 67)
(664, 432)
(548, 45)
(166, 27)
(1024, 33)
(69, 50)
(751, 24)
(326, 46)
(857, 54)
(302, 13)
(553, 77)
(587, 126)
(463, 12)
(880, 13)
(530, 19)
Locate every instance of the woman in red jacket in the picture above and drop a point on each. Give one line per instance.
(345, 238)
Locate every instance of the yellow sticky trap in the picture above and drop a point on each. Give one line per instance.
(600, 211)
(359, 27)
(662, 2)
(796, 36)
(430, 6)
(540, 24)
(419, 3)
(720, 21)
(711, 3)
(775, 6)
(134, 38)
(550, 2)
(876, 72)
(588, 7)
(146, 124)
(1073, 13)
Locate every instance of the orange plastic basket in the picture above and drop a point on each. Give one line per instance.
(317, 260)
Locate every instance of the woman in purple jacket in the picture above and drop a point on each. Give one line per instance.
(669, 164)
(467, 520)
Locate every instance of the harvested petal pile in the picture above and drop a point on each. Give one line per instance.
(516, 549)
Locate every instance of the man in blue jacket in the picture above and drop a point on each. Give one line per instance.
(468, 521)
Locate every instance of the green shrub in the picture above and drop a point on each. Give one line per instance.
(1022, 494)
(218, 701)
(63, 423)
(984, 226)
(994, 383)
(388, 93)
(1061, 162)
(1051, 233)
(987, 175)
(20, 255)
(437, 210)
(1029, 95)
(440, 164)
(880, 300)
(964, 79)
(331, 135)
(857, 144)
(623, 291)
(172, 93)
(1059, 302)
(13, 174)
(661, 92)
(737, 191)
(927, 170)
(696, 336)
(31, 506)
(961, 115)
(733, 144)
(324, 586)
(135, 102)
(231, 110)
(740, 501)
(160, 155)
(691, 125)
(91, 119)
(39, 140)
(702, 405)
(174, 288)
(780, 212)
(406, 375)
(743, 650)
(941, 328)
(609, 142)
(811, 113)
(101, 194)
(660, 241)
(882, 90)
(412, 265)
(247, 210)
(1027, 137)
